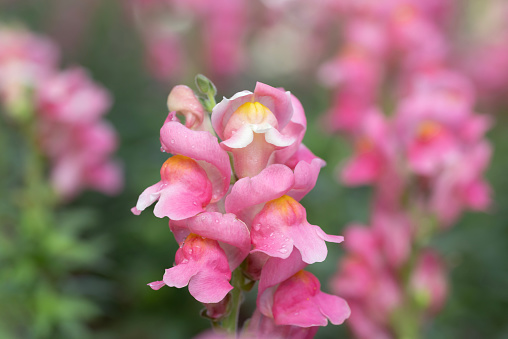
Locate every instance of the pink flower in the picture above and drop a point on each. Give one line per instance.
(373, 151)
(436, 121)
(356, 70)
(461, 185)
(71, 97)
(25, 60)
(232, 233)
(250, 126)
(248, 195)
(211, 246)
(366, 280)
(203, 148)
(184, 190)
(364, 326)
(183, 101)
(428, 282)
(225, 28)
(164, 58)
(347, 111)
(395, 236)
(282, 225)
(80, 156)
(202, 264)
(298, 301)
(306, 167)
(198, 174)
(487, 65)
(296, 128)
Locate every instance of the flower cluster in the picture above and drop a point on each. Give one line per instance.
(163, 23)
(234, 208)
(237, 36)
(425, 158)
(66, 109)
(484, 56)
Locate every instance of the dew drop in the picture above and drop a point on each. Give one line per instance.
(283, 250)
(217, 220)
(163, 150)
(203, 217)
(257, 227)
(271, 234)
(195, 203)
(172, 141)
(193, 146)
(287, 239)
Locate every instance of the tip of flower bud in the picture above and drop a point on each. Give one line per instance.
(205, 85)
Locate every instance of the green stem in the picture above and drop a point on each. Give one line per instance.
(230, 322)
(211, 99)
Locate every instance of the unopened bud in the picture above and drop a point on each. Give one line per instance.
(205, 85)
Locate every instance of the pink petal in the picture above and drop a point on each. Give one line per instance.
(200, 146)
(281, 224)
(182, 100)
(275, 271)
(295, 129)
(227, 229)
(222, 112)
(148, 197)
(333, 307)
(209, 287)
(203, 265)
(306, 175)
(242, 138)
(178, 204)
(273, 182)
(309, 241)
(156, 285)
(299, 301)
(277, 101)
(362, 169)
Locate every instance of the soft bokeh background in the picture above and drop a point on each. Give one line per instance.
(102, 38)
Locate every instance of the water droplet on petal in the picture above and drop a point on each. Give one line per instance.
(172, 141)
(203, 217)
(217, 220)
(257, 227)
(283, 250)
(163, 150)
(195, 203)
(193, 146)
(271, 234)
